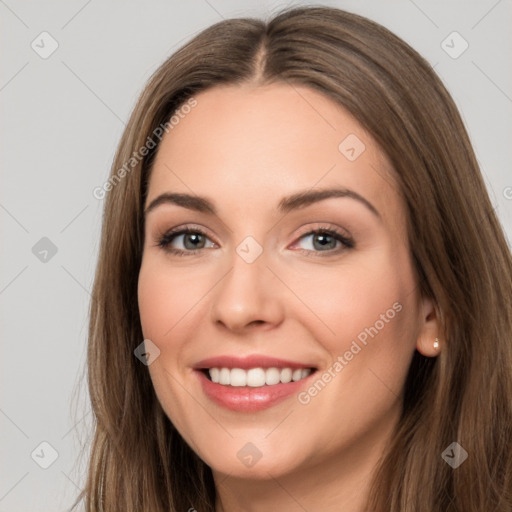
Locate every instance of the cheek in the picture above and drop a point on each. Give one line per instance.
(364, 314)
(166, 296)
(164, 300)
(344, 301)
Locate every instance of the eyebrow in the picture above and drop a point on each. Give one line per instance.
(287, 204)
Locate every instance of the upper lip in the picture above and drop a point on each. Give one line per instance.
(251, 361)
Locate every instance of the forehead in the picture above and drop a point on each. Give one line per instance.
(246, 145)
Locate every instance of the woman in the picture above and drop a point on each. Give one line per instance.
(303, 294)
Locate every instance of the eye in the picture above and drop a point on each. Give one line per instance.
(321, 240)
(192, 239)
(325, 240)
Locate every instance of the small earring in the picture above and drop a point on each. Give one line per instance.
(436, 343)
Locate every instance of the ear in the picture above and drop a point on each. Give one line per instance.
(429, 329)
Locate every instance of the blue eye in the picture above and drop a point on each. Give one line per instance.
(326, 240)
(193, 240)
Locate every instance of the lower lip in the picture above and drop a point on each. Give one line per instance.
(249, 399)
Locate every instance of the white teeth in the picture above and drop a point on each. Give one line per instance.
(286, 375)
(272, 376)
(224, 376)
(256, 377)
(238, 377)
(214, 374)
(297, 374)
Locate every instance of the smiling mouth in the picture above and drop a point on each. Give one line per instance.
(255, 377)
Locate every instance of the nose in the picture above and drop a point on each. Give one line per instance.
(249, 296)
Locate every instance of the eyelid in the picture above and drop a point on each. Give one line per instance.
(323, 226)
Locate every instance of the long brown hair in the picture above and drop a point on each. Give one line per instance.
(138, 461)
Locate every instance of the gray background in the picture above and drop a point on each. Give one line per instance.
(61, 119)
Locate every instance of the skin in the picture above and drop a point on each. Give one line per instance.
(244, 148)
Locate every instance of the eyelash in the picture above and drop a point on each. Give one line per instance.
(165, 241)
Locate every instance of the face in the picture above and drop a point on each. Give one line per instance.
(285, 321)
